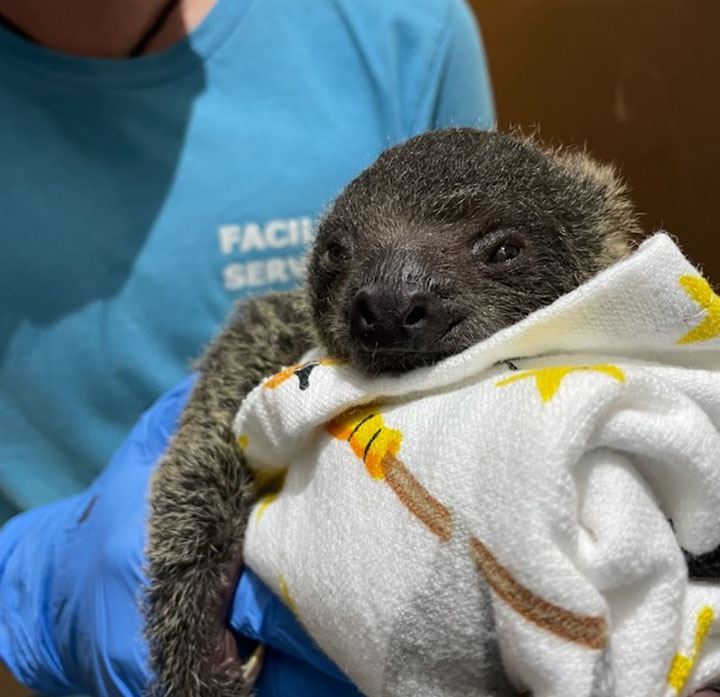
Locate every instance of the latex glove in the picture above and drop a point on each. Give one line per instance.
(71, 573)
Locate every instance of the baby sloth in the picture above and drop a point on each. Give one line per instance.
(443, 241)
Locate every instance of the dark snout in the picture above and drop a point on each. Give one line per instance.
(398, 317)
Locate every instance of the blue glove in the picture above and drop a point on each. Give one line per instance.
(70, 576)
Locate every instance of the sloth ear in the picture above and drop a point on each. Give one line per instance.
(618, 228)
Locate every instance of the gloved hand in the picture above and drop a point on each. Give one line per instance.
(70, 578)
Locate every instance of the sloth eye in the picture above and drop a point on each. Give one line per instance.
(503, 252)
(336, 253)
(499, 245)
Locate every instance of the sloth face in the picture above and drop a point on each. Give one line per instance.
(452, 236)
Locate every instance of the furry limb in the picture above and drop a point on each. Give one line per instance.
(201, 495)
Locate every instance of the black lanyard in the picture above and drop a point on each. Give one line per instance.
(137, 50)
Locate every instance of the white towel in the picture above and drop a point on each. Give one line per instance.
(512, 518)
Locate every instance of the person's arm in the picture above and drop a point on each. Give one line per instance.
(71, 581)
(71, 575)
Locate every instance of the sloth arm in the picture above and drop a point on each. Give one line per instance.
(200, 498)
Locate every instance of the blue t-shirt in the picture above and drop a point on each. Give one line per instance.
(140, 198)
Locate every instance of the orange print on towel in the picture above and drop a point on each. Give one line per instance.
(377, 446)
(368, 436)
(301, 370)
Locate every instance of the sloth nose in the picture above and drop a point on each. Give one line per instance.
(396, 317)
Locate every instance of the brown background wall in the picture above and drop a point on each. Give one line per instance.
(638, 81)
(8, 686)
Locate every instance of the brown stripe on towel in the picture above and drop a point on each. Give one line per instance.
(572, 626)
(417, 499)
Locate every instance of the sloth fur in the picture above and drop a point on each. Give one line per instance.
(471, 231)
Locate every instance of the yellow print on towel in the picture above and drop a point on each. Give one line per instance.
(548, 380)
(682, 664)
(700, 291)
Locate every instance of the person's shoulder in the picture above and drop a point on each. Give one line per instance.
(409, 8)
(421, 61)
(406, 17)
